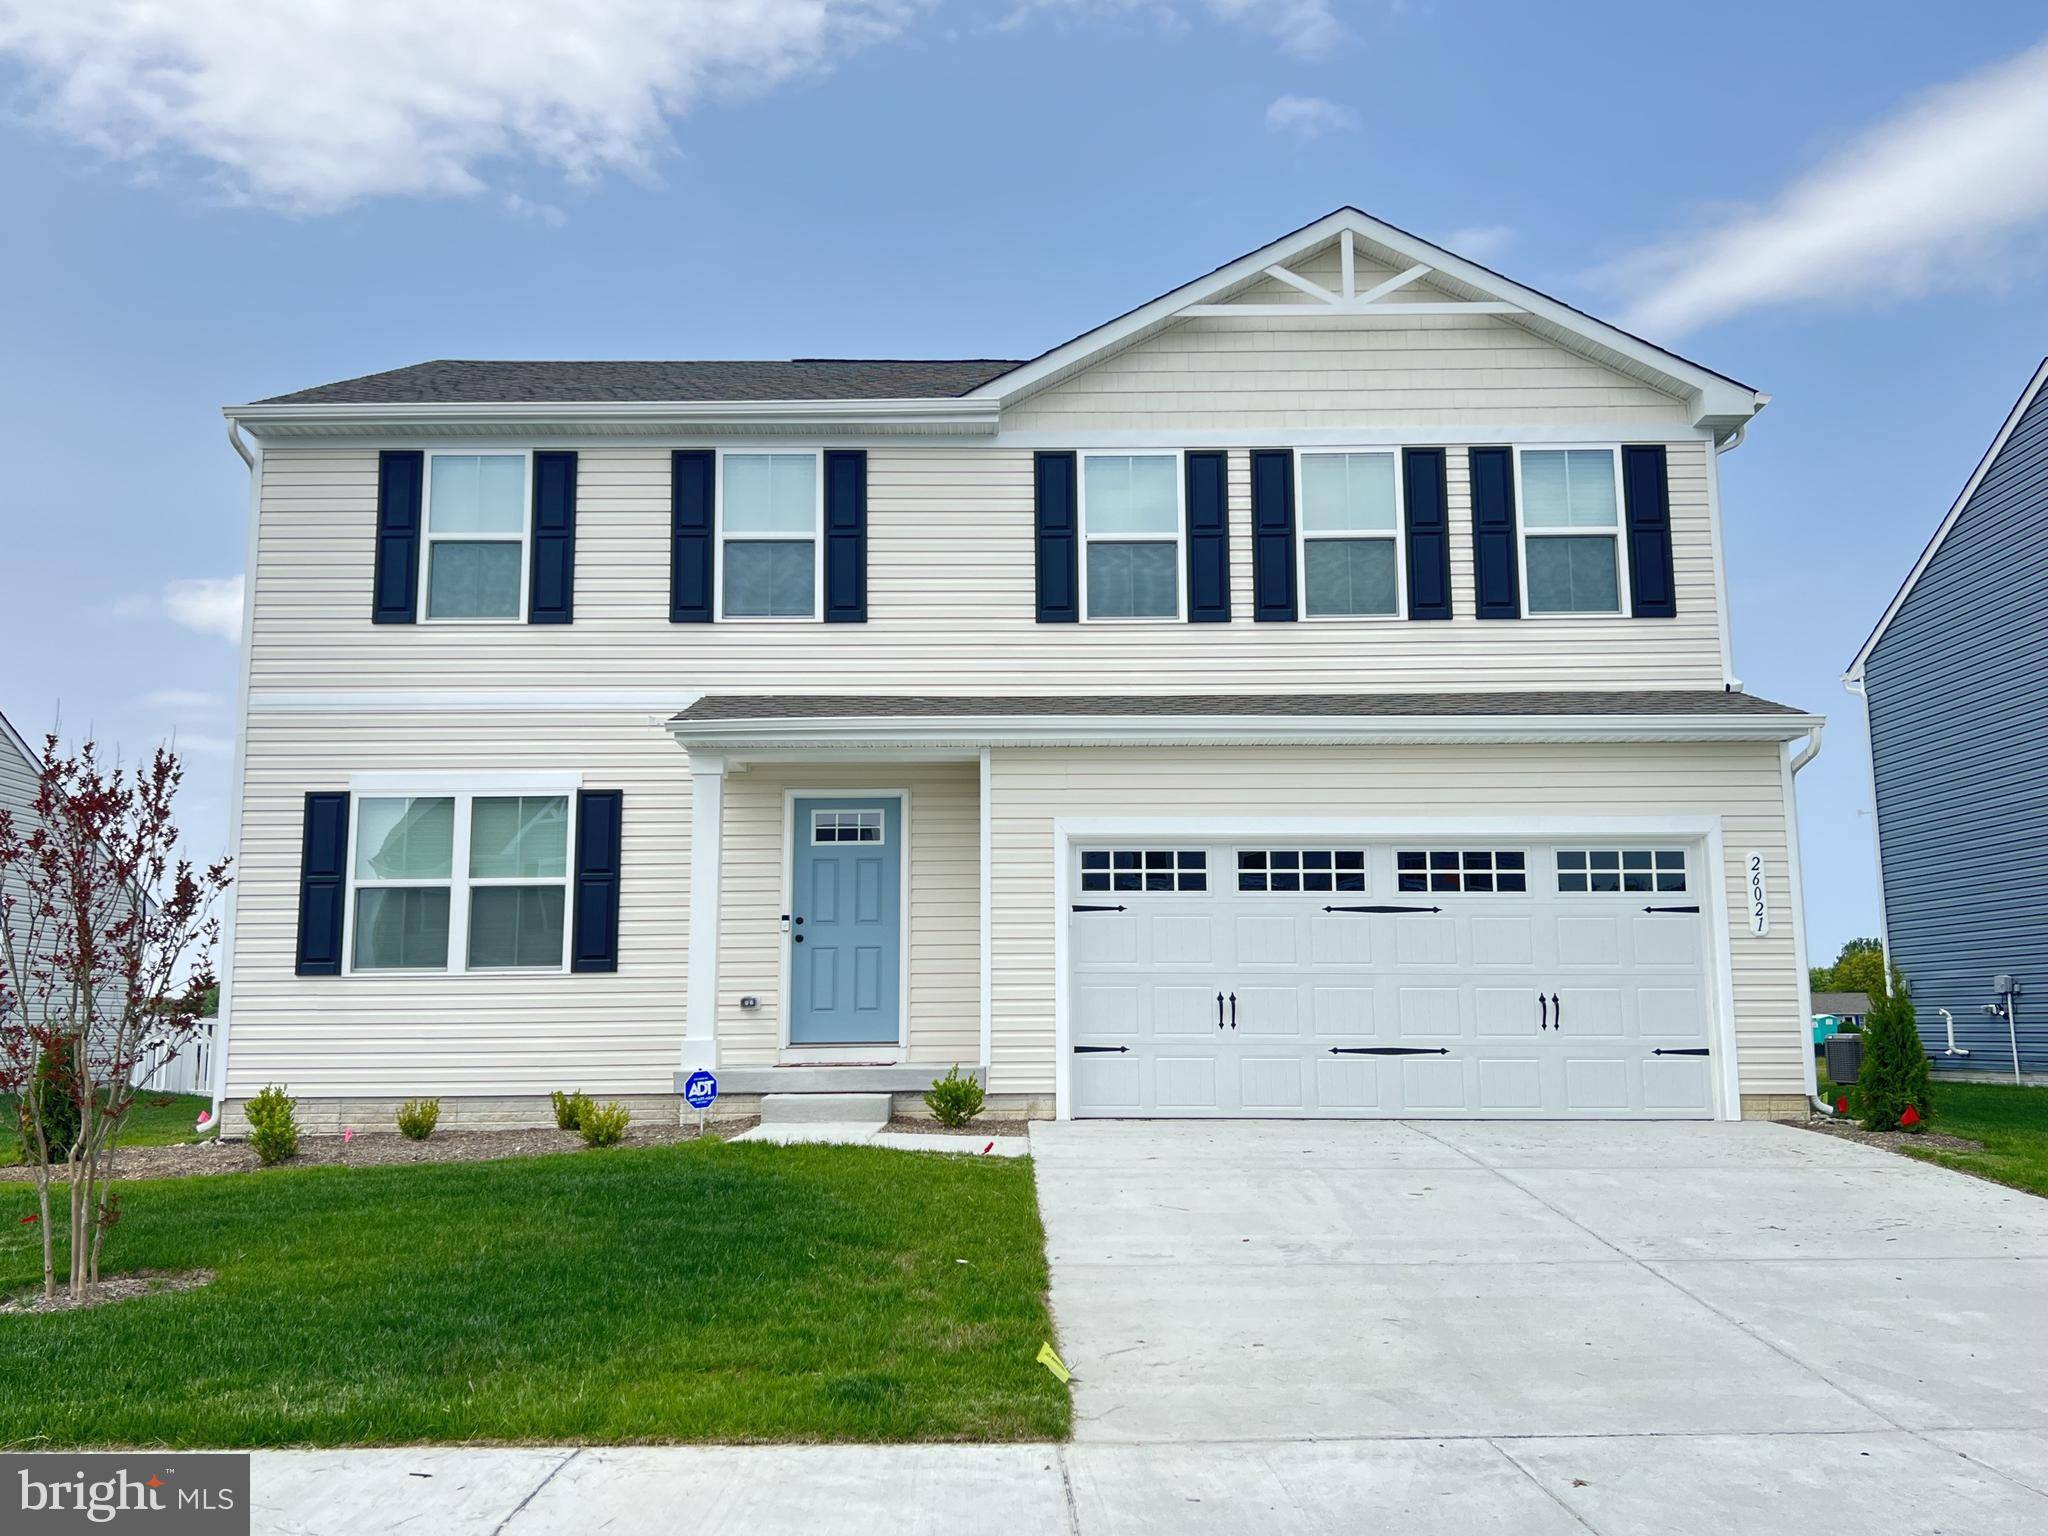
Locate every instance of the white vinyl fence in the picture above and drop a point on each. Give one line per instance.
(190, 1070)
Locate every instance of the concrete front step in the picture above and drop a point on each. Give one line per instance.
(836, 1108)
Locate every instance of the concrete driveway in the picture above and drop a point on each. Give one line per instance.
(1633, 1327)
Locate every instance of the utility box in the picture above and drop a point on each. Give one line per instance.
(1844, 1058)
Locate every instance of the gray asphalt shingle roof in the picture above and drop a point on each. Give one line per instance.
(734, 707)
(453, 381)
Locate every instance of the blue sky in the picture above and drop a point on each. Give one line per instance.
(212, 206)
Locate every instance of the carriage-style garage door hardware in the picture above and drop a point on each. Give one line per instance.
(1392, 911)
(1390, 1050)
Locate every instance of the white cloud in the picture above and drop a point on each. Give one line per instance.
(193, 743)
(212, 605)
(1950, 193)
(1480, 242)
(1309, 117)
(312, 107)
(526, 208)
(1304, 28)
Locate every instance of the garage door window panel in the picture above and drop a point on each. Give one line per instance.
(1156, 870)
(1478, 871)
(1316, 870)
(1621, 871)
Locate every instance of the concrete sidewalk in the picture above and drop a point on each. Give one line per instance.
(1967, 1483)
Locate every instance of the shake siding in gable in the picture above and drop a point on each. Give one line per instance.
(1740, 782)
(950, 602)
(1959, 741)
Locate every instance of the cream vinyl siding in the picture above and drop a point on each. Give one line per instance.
(1739, 782)
(402, 1034)
(1445, 372)
(942, 989)
(950, 608)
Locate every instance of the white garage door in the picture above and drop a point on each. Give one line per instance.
(1514, 979)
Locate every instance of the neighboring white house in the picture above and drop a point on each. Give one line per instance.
(1308, 693)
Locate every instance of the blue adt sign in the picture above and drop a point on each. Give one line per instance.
(699, 1089)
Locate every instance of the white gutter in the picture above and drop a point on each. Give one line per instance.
(224, 1017)
(637, 416)
(977, 731)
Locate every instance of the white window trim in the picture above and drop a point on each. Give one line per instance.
(1398, 537)
(1179, 537)
(1619, 535)
(816, 536)
(459, 882)
(524, 539)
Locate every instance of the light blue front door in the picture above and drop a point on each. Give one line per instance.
(846, 920)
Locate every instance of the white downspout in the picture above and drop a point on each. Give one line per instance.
(1800, 759)
(224, 1020)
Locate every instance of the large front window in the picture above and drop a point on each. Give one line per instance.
(1350, 535)
(476, 536)
(460, 882)
(768, 510)
(1131, 532)
(1571, 530)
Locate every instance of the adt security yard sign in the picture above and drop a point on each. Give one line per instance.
(700, 1089)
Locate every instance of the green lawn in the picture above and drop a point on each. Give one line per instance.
(150, 1123)
(704, 1291)
(2011, 1121)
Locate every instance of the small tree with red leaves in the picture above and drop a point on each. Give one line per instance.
(106, 946)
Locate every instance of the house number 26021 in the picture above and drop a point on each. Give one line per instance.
(1759, 898)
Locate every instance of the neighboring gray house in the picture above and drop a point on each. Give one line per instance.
(1849, 1007)
(1952, 680)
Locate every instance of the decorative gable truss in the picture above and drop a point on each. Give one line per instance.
(1348, 302)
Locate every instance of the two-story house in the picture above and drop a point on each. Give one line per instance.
(1307, 693)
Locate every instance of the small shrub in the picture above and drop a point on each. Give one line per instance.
(953, 1099)
(60, 1112)
(1894, 1072)
(570, 1108)
(418, 1117)
(602, 1125)
(273, 1128)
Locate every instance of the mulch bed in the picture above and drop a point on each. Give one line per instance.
(981, 1128)
(374, 1149)
(1891, 1141)
(142, 1282)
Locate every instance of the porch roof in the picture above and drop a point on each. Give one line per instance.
(729, 722)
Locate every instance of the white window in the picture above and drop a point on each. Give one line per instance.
(1603, 870)
(770, 508)
(1350, 532)
(1571, 530)
(1131, 536)
(459, 882)
(476, 522)
(860, 826)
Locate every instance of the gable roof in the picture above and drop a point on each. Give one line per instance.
(968, 395)
(2020, 407)
(1716, 399)
(454, 381)
(14, 738)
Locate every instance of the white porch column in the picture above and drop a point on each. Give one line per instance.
(707, 820)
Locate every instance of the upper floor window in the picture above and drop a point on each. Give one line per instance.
(1571, 530)
(1131, 536)
(769, 510)
(476, 527)
(1350, 535)
(459, 882)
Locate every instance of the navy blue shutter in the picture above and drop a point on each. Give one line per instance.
(400, 474)
(1653, 593)
(1208, 538)
(551, 598)
(1493, 533)
(1273, 535)
(692, 541)
(1429, 533)
(1057, 517)
(846, 536)
(596, 946)
(323, 884)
